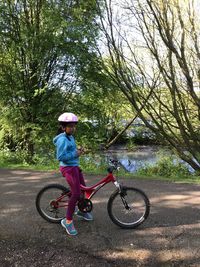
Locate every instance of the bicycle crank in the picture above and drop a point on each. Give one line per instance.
(85, 205)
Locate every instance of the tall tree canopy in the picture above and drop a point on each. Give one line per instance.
(155, 59)
(44, 45)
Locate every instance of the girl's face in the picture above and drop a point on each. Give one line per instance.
(70, 128)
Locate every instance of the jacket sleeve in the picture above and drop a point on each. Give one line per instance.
(62, 153)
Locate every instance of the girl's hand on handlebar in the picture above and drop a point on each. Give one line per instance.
(80, 151)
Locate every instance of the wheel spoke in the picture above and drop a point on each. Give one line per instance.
(129, 208)
(51, 202)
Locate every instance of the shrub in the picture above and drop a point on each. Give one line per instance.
(167, 166)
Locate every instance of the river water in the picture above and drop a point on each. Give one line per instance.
(137, 158)
(140, 156)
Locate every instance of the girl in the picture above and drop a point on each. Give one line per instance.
(68, 156)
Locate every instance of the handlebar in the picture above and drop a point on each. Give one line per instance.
(114, 165)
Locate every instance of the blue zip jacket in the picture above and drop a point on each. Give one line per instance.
(66, 151)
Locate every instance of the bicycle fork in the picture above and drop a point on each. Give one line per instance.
(122, 195)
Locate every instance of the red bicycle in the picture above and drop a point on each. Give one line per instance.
(128, 207)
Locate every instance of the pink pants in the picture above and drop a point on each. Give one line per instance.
(74, 178)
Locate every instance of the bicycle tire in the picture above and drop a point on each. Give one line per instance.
(136, 214)
(45, 191)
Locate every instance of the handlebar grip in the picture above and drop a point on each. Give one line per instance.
(114, 161)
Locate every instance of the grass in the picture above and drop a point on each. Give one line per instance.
(15, 160)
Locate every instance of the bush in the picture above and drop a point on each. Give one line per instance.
(93, 163)
(167, 166)
(18, 159)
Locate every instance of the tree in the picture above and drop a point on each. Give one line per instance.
(154, 50)
(103, 110)
(42, 45)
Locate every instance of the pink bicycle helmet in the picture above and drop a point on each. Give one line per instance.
(68, 117)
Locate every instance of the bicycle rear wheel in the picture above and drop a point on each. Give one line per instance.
(129, 207)
(52, 201)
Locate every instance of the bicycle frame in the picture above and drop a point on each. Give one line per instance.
(88, 191)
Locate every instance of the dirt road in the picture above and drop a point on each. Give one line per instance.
(170, 236)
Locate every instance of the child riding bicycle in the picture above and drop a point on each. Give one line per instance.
(68, 156)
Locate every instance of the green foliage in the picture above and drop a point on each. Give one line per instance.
(48, 66)
(167, 166)
(93, 163)
(87, 137)
(130, 145)
(18, 158)
(43, 47)
(101, 107)
(9, 158)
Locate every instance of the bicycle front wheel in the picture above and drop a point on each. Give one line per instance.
(129, 207)
(52, 202)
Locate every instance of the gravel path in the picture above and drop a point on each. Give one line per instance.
(169, 237)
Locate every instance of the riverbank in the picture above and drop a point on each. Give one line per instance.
(191, 179)
(143, 161)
